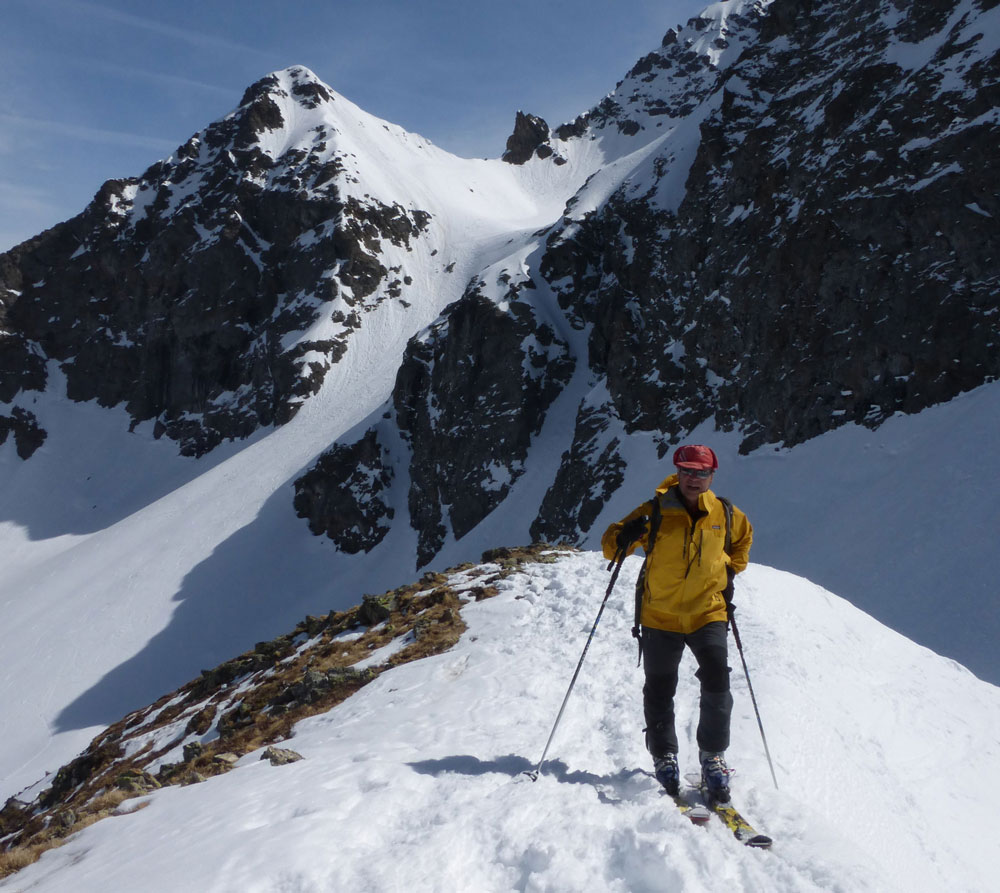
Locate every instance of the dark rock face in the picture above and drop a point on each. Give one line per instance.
(28, 434)
(185, 293)
(22, 368)
(636, 341)
(590, 472)
(832, 258)
(344, 495)
(876, 288)
(468, 398)
(472, 391)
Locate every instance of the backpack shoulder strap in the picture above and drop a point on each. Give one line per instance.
(729, 591)
(656, 515)
(728, 508)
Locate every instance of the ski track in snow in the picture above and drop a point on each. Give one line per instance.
(415, 784)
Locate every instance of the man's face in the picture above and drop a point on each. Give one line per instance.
(692, 484)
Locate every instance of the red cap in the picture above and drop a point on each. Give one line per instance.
(695, 456)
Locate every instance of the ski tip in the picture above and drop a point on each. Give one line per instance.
(760, 842)
(529, 773)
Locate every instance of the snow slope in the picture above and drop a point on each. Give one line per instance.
(882, 750)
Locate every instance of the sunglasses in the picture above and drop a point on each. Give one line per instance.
(696, 472)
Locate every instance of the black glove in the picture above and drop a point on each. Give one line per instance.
(729, 591)
(632, 531)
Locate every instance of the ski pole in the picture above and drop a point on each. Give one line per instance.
(753, 697)
(617, 562)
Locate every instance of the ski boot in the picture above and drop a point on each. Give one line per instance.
(667, 773)
(715, 776)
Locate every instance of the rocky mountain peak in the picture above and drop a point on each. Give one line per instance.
(185, 293)
(267, 105)
(296, 81)
(530, 135)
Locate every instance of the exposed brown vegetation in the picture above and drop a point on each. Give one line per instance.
(62, 824)
(251, 701)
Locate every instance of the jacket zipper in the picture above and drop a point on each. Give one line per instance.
(689, 563)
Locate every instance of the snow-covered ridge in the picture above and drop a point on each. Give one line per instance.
(413, 783)
(661, 90)
(203, 728)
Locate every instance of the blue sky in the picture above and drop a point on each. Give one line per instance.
(96, 89)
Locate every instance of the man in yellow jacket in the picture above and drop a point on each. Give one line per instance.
(684, 595)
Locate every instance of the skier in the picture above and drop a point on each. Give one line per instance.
(684, 597)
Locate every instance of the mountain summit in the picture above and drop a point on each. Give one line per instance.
(211, 295)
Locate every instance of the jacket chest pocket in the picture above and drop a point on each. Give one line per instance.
(712, 543)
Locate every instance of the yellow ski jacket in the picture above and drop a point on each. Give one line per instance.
(686, 571)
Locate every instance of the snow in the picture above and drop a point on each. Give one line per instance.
(882, 749)
(127, 569)
(915, 56)
(942, 171)
(381, 655)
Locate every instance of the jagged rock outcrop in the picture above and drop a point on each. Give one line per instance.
(593, 458)
(470, 395)
(345, 494)
(529, 138)
(23, 425)
(22, 367)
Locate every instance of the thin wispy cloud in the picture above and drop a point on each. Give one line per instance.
(168, 80)
(90, 134)
(189, 36)
(27, 211)
(23, 196)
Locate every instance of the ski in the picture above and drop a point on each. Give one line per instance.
(742, 830)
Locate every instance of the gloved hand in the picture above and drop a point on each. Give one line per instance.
(729, 591)
(632, 531)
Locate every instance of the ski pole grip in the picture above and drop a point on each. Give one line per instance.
(620, 554)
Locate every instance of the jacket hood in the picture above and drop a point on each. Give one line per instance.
(668, 482)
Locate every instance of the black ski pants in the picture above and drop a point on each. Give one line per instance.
(661, 655)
